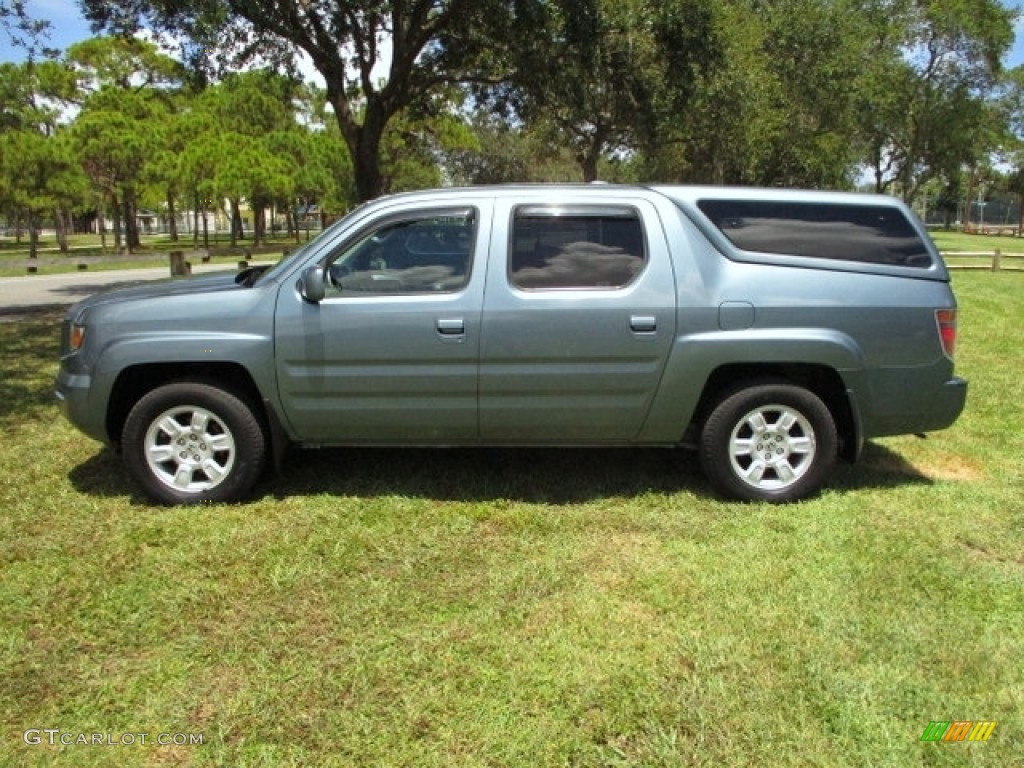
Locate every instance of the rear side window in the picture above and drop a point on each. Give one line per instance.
(874, 234)
(575, 248)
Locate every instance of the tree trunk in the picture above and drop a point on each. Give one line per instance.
(172, 216)
(876, 162)
(101, 227)
(366, 162)
(237, 230)
(363, 141)
(33, 236)
(115, 207)
(60, 222)
(588, 165)
(965, 225)
(590, 154)
(195, 222)
(258, 236)
(131, 221)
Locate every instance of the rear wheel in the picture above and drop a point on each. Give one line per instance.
(769, 442)
(190, 442)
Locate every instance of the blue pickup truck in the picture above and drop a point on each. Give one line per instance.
(772, 331)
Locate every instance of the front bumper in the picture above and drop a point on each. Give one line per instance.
(74, 395)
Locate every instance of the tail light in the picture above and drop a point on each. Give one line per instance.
(946, 321)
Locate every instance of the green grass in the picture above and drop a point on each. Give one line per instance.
(87, 249)
(520, 607)
(950, 242)
(141, 262)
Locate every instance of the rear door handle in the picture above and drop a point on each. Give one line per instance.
(643, 323)
(451, 326)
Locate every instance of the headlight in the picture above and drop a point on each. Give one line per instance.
(77, 337)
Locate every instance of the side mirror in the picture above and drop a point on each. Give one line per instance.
(311, 284)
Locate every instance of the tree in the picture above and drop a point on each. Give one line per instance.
(37, 176)
(757, 93)
(199, 163)
(499, 153)
(709, 117)
(32, 95)
(40, 177)
(433, 44)
(418, 139)
(247, 168)
(813, 50)
(251, 139)
(124, 63)
(329, 155)
(924, 95)
(950, 197)
(113, 148)
(1010, 106)
(128, 91)
(164, 171)
(601, 56)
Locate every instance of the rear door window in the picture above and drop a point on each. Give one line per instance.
(581, 247)
(874, 234)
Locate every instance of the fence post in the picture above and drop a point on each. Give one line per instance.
(997, 259)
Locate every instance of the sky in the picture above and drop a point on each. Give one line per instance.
(69, 27)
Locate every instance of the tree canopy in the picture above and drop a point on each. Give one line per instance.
(428, 44)
(815, 93)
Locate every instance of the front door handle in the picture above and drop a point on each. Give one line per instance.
(643, 323)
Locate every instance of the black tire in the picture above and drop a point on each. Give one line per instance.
(190, 442)
(770, 441)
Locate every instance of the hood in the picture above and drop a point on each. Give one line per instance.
(212, 283)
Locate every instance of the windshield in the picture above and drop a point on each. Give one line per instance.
(300, 253)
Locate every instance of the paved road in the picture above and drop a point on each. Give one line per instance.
(42, 290)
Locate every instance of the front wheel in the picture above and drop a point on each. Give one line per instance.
(190, 442)
(771, 442)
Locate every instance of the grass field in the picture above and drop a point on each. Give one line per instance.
(87, 249)
(952, 243)
(519, 607)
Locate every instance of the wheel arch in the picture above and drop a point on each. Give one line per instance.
(137, 380)
(822, 380)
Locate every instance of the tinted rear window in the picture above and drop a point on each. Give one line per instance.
(873, 234)
(572, 248)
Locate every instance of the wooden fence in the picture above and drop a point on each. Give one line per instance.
(996, 260)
